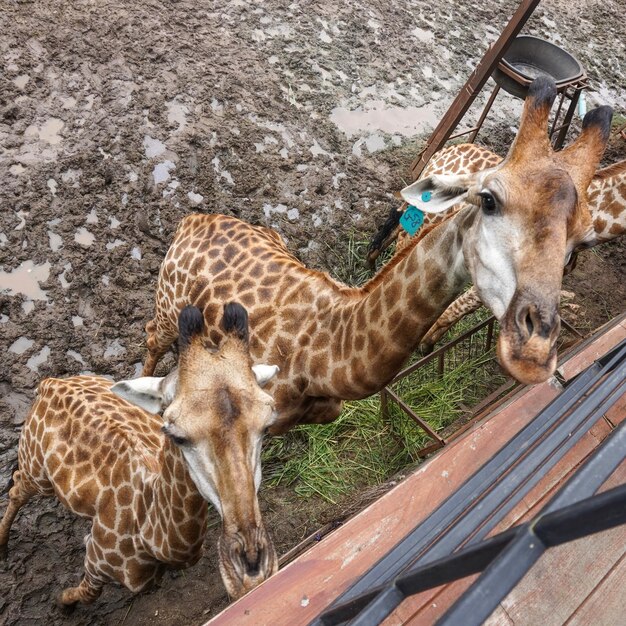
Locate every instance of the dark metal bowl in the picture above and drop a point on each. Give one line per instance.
(529, 57)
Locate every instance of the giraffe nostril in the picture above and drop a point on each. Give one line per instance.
(252, 562)
(529, 323)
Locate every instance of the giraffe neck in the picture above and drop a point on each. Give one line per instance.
(389, 315)
(607, 201)
(176, 508)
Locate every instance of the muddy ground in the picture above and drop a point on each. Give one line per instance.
(116, 119)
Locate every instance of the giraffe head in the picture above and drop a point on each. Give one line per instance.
(216, 413)
(530, 214)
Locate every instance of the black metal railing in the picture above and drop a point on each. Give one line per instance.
(451, 543)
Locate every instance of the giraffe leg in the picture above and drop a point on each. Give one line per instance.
(158, 343)
(86, 592)
(462, 306)
(90, 586)
(19, 494)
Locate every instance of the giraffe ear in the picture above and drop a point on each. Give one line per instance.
(265, 373)
(150, 393)
(438, 193)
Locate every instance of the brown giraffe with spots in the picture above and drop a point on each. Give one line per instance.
(606, 198)
(334, 342)
(143, 480)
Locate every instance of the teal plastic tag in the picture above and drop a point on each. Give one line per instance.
(412, 220)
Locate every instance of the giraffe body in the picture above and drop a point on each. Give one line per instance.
(138, 476)
(333, 342)
(108, 461)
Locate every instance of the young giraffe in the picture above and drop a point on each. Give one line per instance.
(607, 206)
(334, 342)
(145, 481)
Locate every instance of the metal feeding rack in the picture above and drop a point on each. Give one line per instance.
(513, 62)
(488, 380)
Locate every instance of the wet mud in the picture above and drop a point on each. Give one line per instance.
(117, 119)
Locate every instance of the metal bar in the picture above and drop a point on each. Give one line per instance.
(462, 133)
(384, 403)
(423, 540)
(435, 353)
(571, 329)
(484, 114)
(482, 598)
(418, 420)
(474, 84)
(591, 515)
(560, 140)
(558, 112)
(429, 449)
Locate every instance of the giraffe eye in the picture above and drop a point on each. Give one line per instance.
(179, 441)
(488, 203)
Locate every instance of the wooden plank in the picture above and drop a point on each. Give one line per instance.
(538, 496)
(564, 576)
(305, 587)
(606, 604)
(617, 413)
(427, 607)
(599, 347)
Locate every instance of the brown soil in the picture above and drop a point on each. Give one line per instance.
(116, 119)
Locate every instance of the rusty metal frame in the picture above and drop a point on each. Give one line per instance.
(473, 86)
(571, 91)
(388, 395)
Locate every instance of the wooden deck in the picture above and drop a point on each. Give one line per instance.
(577, 583)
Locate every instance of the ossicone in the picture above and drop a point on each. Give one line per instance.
(235, 321)
(599, 118)
(542, 92)
(190, 324)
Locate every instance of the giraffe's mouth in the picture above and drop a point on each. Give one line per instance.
(246, 560)
(531, 364)
(527, 341)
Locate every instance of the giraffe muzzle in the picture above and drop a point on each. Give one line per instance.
(527, 341)
(246, 560)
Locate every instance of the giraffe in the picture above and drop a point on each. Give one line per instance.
(606, 200)
(143, 480)
(334, 342)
